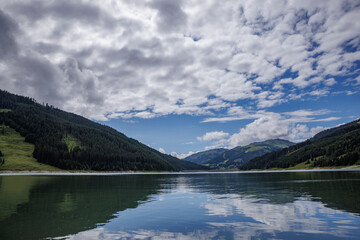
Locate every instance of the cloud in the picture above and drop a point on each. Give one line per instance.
(270, 125)
(276, 126)
(162, 150)
(145, 59)
(8, 29)
(182, 155)
(209, 136)
(265, 219)
(357, 80)
(261, 129)
(170, 16)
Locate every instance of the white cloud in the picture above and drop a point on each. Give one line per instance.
(221, 143)
(162, 150)
(182, 155)
(261, 129)
(357, 80)
(147, 59)
(276, 126)
(209, 136)
(316, 130)
(270, 125)
(266, 218)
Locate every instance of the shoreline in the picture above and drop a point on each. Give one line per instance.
(69, 173)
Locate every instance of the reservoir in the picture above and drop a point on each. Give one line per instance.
(236, 205)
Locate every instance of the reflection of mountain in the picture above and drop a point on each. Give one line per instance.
(336, 189)
(64, 205)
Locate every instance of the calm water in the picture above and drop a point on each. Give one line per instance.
(296, 205)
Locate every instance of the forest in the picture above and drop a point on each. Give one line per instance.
(1, 158)
(69, 141)
(338, 146)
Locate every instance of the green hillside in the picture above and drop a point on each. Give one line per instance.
(68, 141)
(205, 156)
(238, 156)
(338, 146)
(17, 154)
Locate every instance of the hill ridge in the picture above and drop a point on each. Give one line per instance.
(338, 146)
(237, 156)
(103, 148)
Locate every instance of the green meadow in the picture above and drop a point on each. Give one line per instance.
(18, 153)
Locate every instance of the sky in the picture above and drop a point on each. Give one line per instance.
(184, 76)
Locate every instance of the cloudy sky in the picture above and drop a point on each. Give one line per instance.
(185, 76)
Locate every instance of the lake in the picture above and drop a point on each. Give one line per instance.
(262, 205)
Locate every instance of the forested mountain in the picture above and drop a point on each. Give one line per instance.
(238, 156)
(229, 159)
(205, 156)
(338, 146)
(69, 141)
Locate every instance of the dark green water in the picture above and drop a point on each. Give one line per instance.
(293, 205)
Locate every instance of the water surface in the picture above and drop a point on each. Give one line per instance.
(279, 205)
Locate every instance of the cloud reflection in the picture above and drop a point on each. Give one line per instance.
(235, 217)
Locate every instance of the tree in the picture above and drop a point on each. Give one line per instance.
(2, 160)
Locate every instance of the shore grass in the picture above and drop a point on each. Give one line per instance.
(18, 154)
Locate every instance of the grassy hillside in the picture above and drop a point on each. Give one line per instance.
(338, 146)
(238, 156)
(205, 156)
(68, 141)
(17, 154)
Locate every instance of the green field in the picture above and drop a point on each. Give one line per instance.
(18, 154)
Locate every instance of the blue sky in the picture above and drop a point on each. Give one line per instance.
(184, 76)
(179, 134)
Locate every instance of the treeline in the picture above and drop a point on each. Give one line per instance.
(238, 156)
(334, 147)
(101, 147)
(1, 158)
(342, 152)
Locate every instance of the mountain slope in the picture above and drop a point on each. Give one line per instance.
(69, 141)
(338, 146)
(205, 156)
(18, 153)
(238, 156)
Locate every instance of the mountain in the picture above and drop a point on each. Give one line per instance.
(69, 141)
(205, 156)
(238, 156)
(339, 146)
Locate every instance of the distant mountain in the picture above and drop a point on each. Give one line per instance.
(238, 156)
(339, 146)
(205, 156)
(69, 141)
(222, 158)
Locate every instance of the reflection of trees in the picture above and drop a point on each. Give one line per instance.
(64, 205)
(336, 189)
(15, 191)
(42, 206)
(245, 206)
